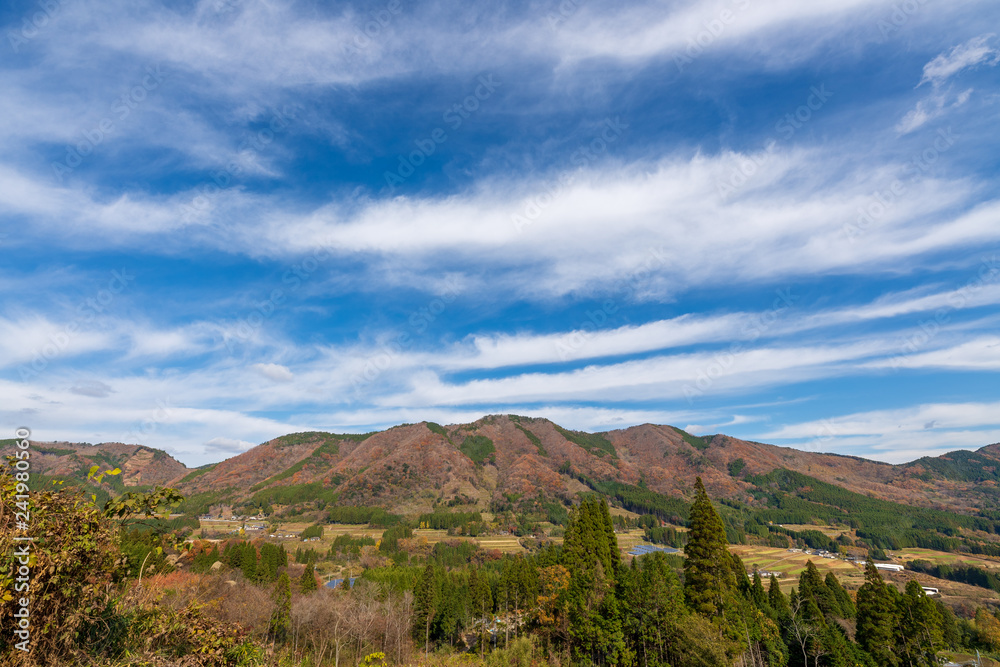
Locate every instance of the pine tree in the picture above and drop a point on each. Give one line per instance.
(708, 573)
(281, 617)
(876, 609)
(307, 583)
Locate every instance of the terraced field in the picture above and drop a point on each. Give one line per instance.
(944, 558)
(790, 564)
(507, 544)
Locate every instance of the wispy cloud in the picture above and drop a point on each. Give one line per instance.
(968, 54)
(938, 71)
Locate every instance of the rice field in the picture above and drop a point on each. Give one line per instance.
(791, 564)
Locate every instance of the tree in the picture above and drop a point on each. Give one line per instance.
(807, 627)
(758, 595)
(987, 629)
(590, 554)
(812, 585)
(248, 562)
(708, 574)
(876, 608)
(307, 583)
(843, 597)
(281, 617)
(426, 601)
(482, 604)
(71, 568)
(776, 600)
(920, 631)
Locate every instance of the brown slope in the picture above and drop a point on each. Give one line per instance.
(140, 465)
(412, 467)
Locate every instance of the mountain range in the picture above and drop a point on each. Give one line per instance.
(507, 461)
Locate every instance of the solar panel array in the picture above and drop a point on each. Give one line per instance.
(643, 549)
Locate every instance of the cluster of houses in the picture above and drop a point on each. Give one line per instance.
(822, 553)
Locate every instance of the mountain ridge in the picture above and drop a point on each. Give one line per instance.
(503, 461)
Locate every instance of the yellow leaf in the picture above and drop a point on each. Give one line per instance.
(116, 471)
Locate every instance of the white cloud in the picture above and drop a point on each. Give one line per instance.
(93, 388)
(969, 54)
(901, 434)
(275, 372)
(946, 65)
(228, 445)
(980, 354)
(594, 235)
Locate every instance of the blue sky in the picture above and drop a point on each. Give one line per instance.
(225, 221)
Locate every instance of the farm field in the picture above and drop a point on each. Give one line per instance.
(790, 564)
(944, 558)
(628, 539)
(832, 532)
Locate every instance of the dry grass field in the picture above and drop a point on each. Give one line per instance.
(832, 532)
(944, 558)
(629, 539)
(791, 564)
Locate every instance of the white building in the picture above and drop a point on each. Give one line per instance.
(889, 567)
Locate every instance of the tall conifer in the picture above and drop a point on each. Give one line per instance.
(708, 573)
(877, 618)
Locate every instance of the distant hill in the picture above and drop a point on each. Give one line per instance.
(511, 462)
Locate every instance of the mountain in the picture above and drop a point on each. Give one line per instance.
(507, 461)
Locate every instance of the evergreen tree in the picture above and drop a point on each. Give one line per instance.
(758, 595)
(776, 600)
(920, 630)
(281, 617)
(743, 583)
(249, 562)
(876, 611)
(843, 597)
(812, 585)
(307, 583)
(590, 554)
(481, 597)
(654, 614)
(426, 599)
(708, 572)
